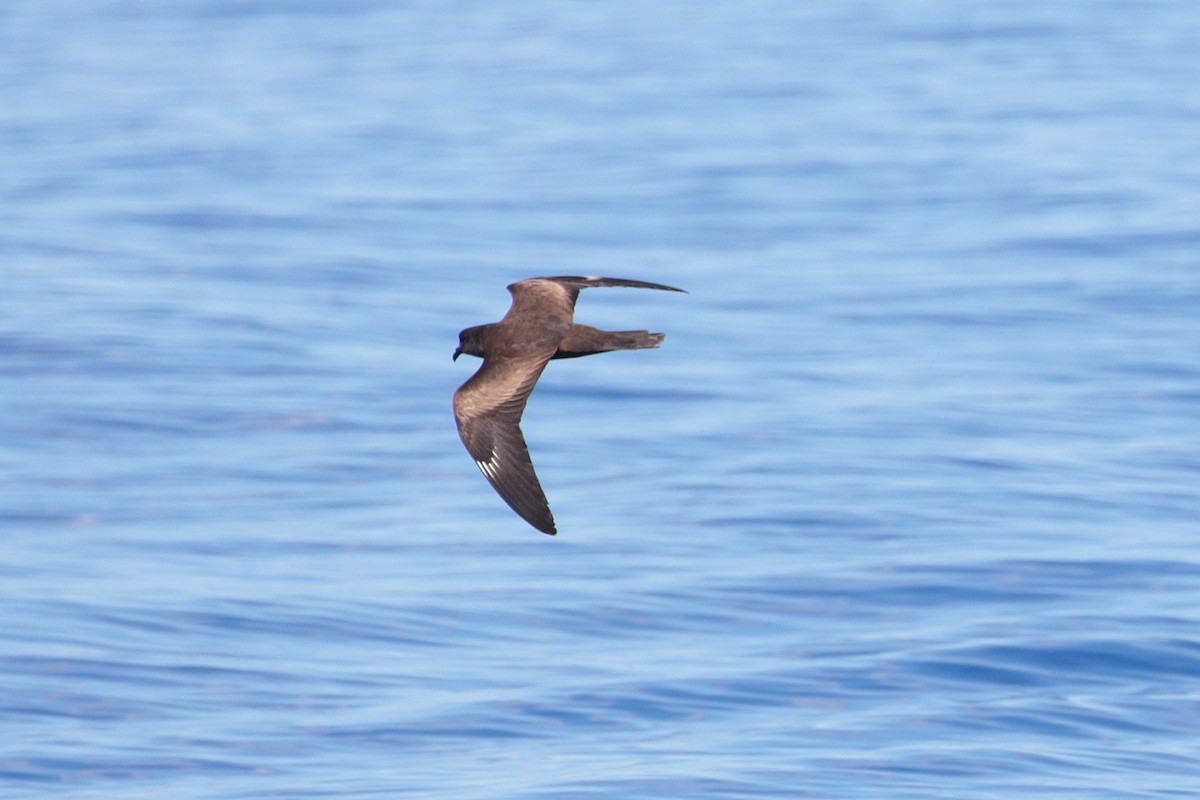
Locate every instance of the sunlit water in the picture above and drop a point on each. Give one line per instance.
(905, 506)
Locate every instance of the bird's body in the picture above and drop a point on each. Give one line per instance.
(538, 327)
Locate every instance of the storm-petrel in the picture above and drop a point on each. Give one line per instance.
(515, 350)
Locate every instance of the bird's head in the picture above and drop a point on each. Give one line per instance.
(470, 341)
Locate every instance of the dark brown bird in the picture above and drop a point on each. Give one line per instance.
(538, 327)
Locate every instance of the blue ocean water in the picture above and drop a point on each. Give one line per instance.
(905, 506)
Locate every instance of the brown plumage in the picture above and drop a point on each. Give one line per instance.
(538, 327)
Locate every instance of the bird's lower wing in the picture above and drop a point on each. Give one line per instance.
(488, 411)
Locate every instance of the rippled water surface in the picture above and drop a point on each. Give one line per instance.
(905, 506)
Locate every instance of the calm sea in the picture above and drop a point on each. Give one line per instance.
(906, 506)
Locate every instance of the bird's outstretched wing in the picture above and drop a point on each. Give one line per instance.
(559, 293)
(488, 410)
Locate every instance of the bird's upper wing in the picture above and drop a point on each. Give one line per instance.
(558, 294)
(488, 410)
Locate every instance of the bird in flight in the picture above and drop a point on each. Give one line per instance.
(488, 407)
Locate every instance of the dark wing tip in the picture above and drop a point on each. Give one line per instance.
(500, 452)
(517, 484)
(529, 501)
